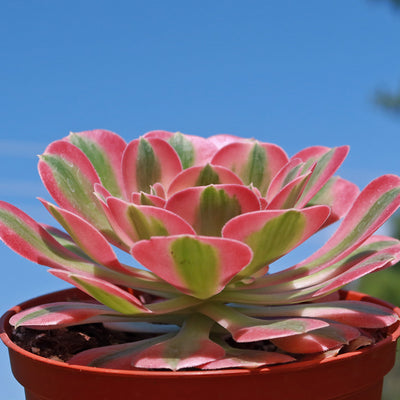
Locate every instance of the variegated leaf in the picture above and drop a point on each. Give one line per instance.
(270, 295)
(208, 208)
(203, 176)
(372, 246)
(255, 163)
(288, 196)
(61, 314)
(105, 292)
(146, 199)
(146, 162)
(87, 237)
(284, 176)
(29, 239)
(273, 233)
(70, 178)
(325, 167)
(360, 314)
(333, 336)
(339, 194)
(190, 348)
(200, 266)
(117, 356)
(245, 358)
(223, 139)
(192, 150)
(143, 222)
(248, 329)
(104, 149)
(375, 204)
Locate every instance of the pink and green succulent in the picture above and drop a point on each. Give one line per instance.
(205, 218)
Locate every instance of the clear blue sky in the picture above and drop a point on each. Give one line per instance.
(288, 72)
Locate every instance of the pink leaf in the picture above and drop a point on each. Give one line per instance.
(247, 329)
(243, 358)
(192, 150)
(360, 314)
(327, 338)
(70, 179)
(224, 139)
(105, 292)
(142, 222)
(339, 194)
(375, 204)
(104, 149)
(203, 176)
(255, 163)
(117, 356)
(273, 233)
(207, 209)
(145, 199)
(60, 314)
(88, 238)
(148, 161)
(325, 167)
(286, 174)
(200, 266)
(288, 196)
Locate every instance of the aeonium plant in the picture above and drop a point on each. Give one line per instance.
(205, 218)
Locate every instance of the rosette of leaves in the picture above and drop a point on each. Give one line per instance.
(205, 218)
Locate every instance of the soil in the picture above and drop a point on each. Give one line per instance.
(62, 344)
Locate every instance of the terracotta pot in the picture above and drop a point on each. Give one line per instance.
(352, 376)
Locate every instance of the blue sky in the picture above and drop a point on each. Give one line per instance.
(288, 72)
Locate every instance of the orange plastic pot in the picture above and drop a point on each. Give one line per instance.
(351, 376)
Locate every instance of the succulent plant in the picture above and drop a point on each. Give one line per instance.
(205, 218)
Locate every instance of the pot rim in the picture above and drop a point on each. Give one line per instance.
(345, 294)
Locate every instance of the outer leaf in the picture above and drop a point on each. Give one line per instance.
(359, 314)
(61, 314)
(208, 208)
(29, 239)
(273, 233)
(196, 265)
(143, 222)
(375, 204)
(339, 194)
(255, 163)
(87, 237)
(372, 246)
(104, 149)
(146, 162)
(116, 356)
(244, 358)
(327, 338)
(70, 178)
(268, 295)
(66, 241)
(106, 293)
(248, 329)
(189, 348)
(203, 176)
